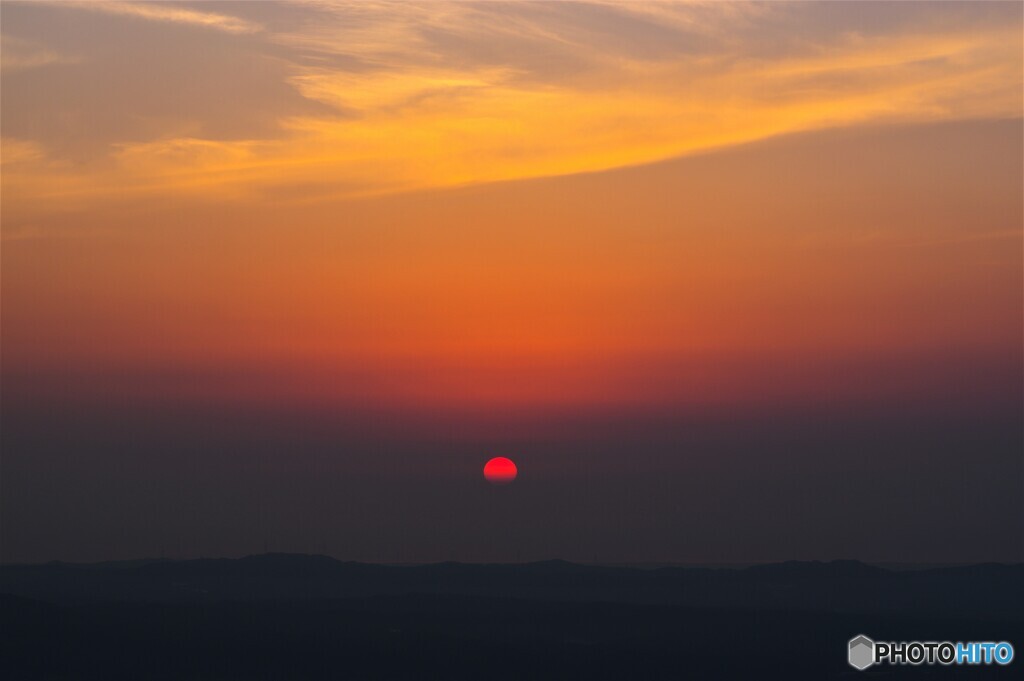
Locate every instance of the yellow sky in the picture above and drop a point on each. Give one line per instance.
(520, 202)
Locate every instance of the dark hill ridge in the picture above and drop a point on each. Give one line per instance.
(279, 616)
(984, 591)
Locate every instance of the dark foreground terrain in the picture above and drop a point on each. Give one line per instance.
(311, 617)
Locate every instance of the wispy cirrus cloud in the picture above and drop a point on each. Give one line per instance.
(412, 95)
(152, 11)
(20, 55)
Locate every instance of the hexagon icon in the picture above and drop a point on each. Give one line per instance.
(862, 652)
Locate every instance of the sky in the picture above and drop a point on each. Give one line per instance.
(729, 282)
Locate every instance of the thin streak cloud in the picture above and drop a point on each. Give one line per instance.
(173, 14)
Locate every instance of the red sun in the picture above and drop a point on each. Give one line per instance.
(500, 471)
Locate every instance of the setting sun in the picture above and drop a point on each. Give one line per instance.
(500, 471)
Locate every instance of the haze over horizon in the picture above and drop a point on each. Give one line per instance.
(733, 282)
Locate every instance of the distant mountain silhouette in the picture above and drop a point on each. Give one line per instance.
(990, 590)
(283, 616)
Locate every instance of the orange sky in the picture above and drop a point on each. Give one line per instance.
(530, 205)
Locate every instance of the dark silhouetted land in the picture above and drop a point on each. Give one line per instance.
(313, 617)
